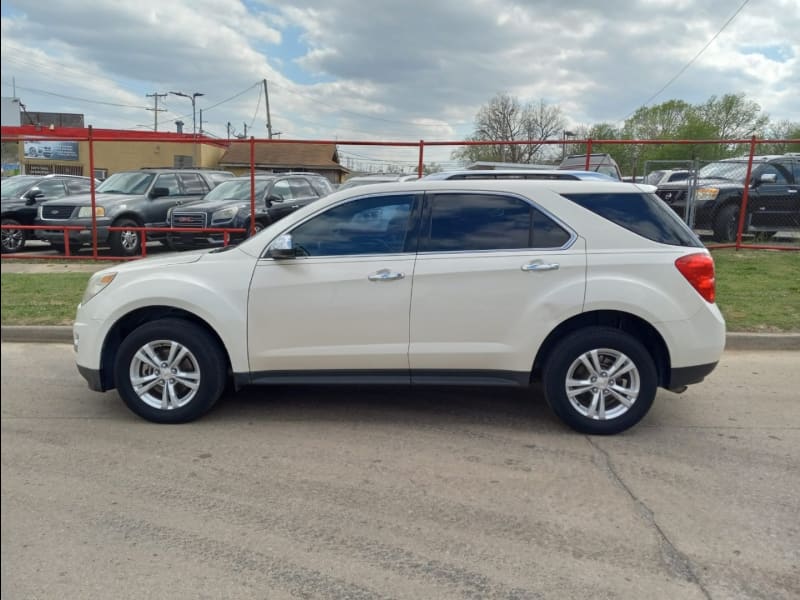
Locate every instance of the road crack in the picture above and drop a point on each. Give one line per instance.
(676, 561)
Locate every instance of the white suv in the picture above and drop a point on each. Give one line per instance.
(596, 289)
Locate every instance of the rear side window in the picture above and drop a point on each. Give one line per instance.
(473, 222)
(643, 214)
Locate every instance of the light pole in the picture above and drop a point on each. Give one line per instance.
(192, 99)
(564, 135)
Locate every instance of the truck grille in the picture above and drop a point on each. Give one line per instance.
(57, 212)
(188, 219)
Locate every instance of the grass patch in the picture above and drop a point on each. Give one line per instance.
(41, 298)
(759, 290)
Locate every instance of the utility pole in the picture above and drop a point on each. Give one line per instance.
(266, 101)
(245, 129)
(229, 130)
(201, 121)
(155, 96)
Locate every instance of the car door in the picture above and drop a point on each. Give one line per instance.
(774, 204)
(341, 307)
(155, 209)
(493, 276)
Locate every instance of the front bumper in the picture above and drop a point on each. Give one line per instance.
(80, 236)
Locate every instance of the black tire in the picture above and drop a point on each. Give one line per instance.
(12, 240)
(564, 362)
(126, 243)
(204, 362)
(726, 223)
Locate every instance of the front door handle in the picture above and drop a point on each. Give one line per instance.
(536, 266)
(386, 275)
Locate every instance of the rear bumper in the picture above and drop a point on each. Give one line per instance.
(683, 376)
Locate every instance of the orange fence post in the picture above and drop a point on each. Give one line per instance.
(92, 192)
(588, 154)
(743, 207)
(252, 185)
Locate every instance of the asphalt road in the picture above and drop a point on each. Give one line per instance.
(387, 493)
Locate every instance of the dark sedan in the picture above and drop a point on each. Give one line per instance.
(21, 196)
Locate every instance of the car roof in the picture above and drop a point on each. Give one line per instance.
(519, 174)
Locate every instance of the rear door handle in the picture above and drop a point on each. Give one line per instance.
(386, 275)
(537, 266)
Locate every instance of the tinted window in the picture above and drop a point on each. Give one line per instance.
(193, 183)
(376, 225)
(643, 214)
(546, 232)
(478, 222)
(774, 169)
(796, 172)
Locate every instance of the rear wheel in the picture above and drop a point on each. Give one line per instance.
(126, 242)
(726, 224)
(12, 240)
(170, 371)
(600, 380)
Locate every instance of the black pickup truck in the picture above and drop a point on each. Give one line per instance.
(127, 199)
(773, 196)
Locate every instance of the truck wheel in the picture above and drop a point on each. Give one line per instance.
(726, 224)
(126, 242)
(12, 240)
(600, 380)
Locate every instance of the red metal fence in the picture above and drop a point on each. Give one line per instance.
(11, 134)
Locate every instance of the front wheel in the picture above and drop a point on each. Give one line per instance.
(12, 240)
(126, 242)
(726, 224)
(600, 380)
(170, 371)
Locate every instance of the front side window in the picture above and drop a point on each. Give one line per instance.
(282, 190)
(78, 186)
(375, 225)
(52, 188)
(301, 188)
(169, 181)
(471, 222)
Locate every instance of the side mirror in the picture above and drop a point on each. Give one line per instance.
(282, 247)
(272, 198)
(32, 195)
(768, 178)
(159, 192)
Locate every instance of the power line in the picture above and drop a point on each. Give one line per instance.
(691, 62)
(258, 105)
(208, 108)
(75, 98)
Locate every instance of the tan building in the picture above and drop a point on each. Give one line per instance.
(283, 157)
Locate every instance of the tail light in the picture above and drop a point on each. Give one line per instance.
(698, 269)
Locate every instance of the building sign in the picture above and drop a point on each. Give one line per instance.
(51, 150)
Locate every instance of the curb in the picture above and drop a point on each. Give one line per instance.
(733, 341)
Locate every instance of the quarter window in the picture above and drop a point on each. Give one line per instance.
(375, 225)
(471, 222)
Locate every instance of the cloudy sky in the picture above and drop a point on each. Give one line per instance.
(404, 70)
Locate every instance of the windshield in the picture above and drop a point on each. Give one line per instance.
(237, 189)
(16, 186)
(126, 183)
(724, 170)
